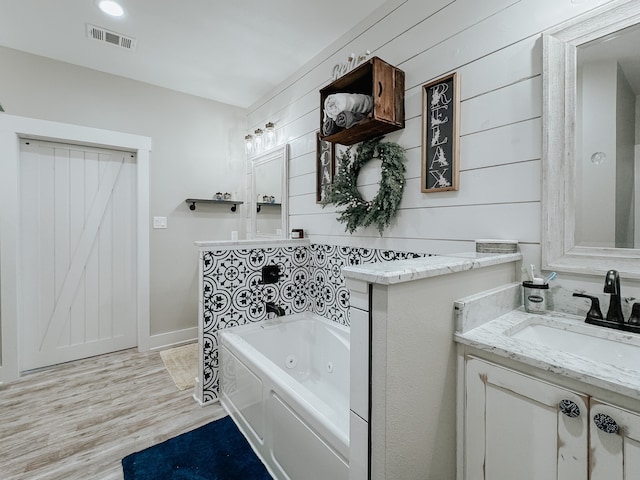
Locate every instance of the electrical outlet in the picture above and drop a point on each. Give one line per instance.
(159, 222)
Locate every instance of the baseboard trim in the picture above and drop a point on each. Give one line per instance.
(207, 403)
(173, 339)
(155, 342)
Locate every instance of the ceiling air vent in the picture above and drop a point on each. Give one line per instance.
(107, 36)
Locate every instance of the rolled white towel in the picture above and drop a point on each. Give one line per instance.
(347, 102)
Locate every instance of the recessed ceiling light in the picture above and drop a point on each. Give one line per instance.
(111, 8)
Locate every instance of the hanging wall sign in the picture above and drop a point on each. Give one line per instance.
(440, 120)
(325, 167)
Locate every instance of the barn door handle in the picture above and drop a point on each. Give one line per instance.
(605, 423)
(569, 408)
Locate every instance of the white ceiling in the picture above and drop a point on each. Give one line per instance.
(233, 51)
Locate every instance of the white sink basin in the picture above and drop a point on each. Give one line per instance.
(600, 344)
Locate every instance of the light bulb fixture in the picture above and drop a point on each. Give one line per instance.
(111, 8)
(248, 144)
(258, 142)
(270, 135)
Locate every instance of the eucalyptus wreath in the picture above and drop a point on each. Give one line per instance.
(344, 190)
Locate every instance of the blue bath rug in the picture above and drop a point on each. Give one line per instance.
(216, 451)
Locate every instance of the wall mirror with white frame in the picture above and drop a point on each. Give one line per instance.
(591, 143)
(269, 193)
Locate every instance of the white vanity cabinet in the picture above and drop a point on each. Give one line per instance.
(514, 428)
(614, 455)
(518, 426)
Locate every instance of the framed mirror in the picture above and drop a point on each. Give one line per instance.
(269, 194)
(591, 143)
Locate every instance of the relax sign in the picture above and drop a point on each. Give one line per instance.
(440, 135)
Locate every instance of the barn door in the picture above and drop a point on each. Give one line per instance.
(77, 262)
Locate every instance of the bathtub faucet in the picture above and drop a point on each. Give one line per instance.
(273, 308)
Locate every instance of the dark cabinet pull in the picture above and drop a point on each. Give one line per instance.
(379, 89)
(569, 408)
(605, 423)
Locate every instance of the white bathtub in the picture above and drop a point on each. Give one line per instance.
(285, 382)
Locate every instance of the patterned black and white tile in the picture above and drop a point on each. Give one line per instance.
(328, 294)
(311, 279)
(233, 295)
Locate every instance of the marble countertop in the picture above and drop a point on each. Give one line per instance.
(387, 273)
(209, 244)
(491, 337)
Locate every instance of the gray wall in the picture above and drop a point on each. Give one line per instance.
(197, 150)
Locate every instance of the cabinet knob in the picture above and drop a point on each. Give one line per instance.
(605, 423)
(569, 408)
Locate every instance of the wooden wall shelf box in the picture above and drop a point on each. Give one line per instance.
(380, 80)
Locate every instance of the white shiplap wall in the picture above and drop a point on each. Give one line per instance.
(495, 45)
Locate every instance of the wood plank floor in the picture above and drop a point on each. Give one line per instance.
(78, 420)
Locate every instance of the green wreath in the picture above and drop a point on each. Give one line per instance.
(344, 190)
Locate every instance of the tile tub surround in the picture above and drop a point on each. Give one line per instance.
(328, 294)
(232, 295)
